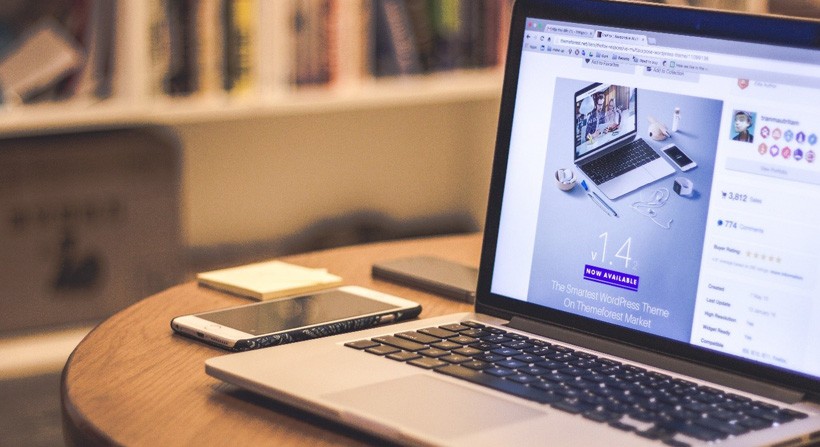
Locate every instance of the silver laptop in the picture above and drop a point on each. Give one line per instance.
(693, 317)
(607, 147)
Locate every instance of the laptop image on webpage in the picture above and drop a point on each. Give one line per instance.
(607, 148)
(685, 313)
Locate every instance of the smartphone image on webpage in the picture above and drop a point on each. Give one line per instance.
(287, 320)
(676, 155)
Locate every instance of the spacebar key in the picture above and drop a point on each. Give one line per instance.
(496, 383)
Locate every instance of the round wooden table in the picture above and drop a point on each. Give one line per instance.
(131, 381)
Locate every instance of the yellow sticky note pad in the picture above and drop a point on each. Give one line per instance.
(268, 280)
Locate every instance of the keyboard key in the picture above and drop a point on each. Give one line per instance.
(468, 351)
(721, 426)
(517, 344)
(694, 431)
(403, 356)
(464, 340)
(550, 365)
(418, 337)
(438, 332)
(521, 378)
(446, 345)
(484, 346)
(794, 414)
(753, 423)
(546, 386)
(527, 358)
(574, 406)
(656, 433)
(455, 358)
(400, 343)
(562, 349)
(506, 352)
(427, 363)
(601, 415)
(490, 358)
(567, 392)
(581, 384)
(475, 333)
(454, 327)
(622, 426)
(533, 370)
(537, 350)
(511, 364)
(361, 344)
(557, 378)
(382, 350)
(499, 372)
(497, 339)
(475, 364)
(675, 443)
(433, 352)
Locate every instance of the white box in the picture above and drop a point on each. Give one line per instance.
(89, 223)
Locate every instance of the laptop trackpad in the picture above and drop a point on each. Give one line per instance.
(427, 404)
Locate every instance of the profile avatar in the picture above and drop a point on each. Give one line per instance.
(743, 127)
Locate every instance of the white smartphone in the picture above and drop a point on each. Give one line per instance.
(287, 320)
(682, 160)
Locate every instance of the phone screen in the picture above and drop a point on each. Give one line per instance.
(279, 315)
(677, 156)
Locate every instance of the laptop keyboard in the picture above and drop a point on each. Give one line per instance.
(627, 397)
(617, 162)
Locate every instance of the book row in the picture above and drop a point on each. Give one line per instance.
(53, 50)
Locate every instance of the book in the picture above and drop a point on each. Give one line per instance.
(268, 280)
(208, 46)
(313, 23)
(159, 34)
(239, 28)
(181, 78)
(38, 60)
(395, 43)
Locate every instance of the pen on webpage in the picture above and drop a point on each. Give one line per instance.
(598, 200)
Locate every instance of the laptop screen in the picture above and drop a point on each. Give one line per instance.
(723, 256)
(605, 114)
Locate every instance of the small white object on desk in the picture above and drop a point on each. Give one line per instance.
(268, 280)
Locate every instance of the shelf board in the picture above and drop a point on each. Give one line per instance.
(431, 89)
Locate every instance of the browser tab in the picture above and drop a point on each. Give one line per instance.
(612, 36)
(569, 30)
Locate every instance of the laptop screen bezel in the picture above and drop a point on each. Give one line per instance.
(796, 33)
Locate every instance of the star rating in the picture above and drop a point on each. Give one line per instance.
(763, 257)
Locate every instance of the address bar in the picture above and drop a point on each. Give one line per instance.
(673, 53)
(632, 49)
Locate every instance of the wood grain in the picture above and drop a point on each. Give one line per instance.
(131, 381)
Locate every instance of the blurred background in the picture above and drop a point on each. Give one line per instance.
(144, 141)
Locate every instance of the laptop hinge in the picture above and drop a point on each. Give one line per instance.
(659, 360)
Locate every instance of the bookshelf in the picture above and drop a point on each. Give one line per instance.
(405, 136)
(475, 85)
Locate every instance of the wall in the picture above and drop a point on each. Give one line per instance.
(265, 178)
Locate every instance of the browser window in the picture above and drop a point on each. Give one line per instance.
(722, 253)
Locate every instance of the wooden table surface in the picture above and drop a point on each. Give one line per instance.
(131, 381)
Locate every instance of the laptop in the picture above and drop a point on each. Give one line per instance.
(607, 147)
(690, 316)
